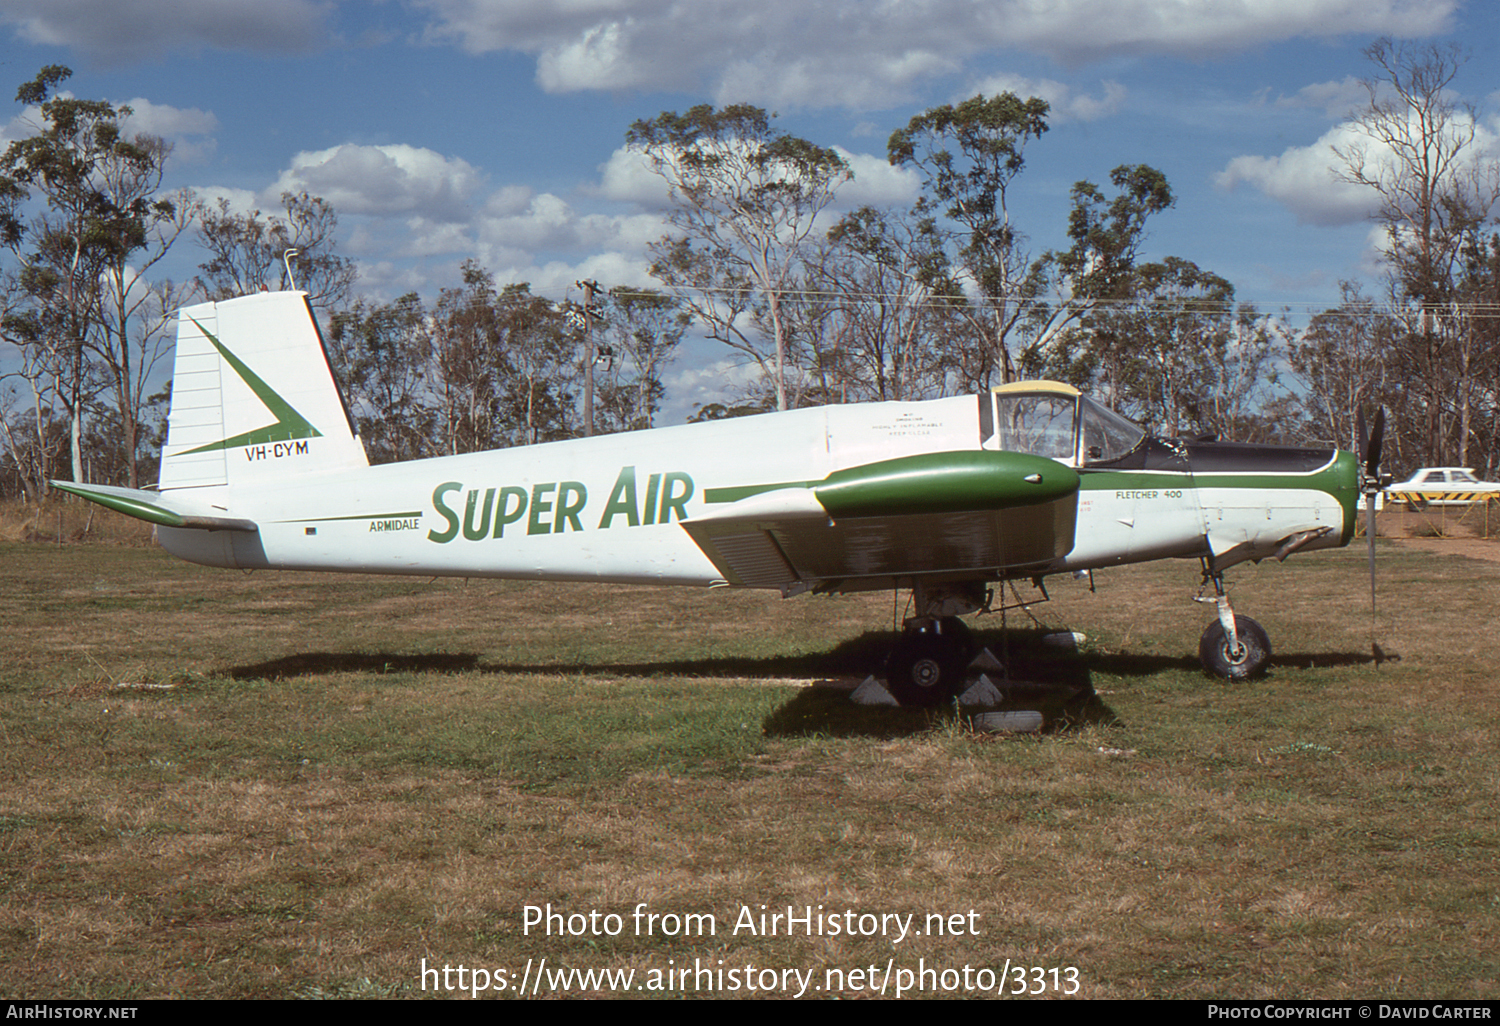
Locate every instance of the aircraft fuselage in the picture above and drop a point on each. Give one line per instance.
(612, 508)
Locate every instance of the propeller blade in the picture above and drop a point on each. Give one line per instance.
(1361, 436)
(1370, 444)
(1377, 437)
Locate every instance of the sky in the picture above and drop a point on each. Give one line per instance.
(494, 130)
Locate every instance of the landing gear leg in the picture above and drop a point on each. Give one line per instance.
(1233, 647)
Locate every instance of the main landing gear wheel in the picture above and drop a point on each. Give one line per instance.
(1251, 659)
(926, 668)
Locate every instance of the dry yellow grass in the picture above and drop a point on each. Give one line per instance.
(69, 520)
(224, 785)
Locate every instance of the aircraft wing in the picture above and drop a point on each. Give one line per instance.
(933, 513)
(153, 507)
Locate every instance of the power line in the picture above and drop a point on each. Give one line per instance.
(1185, 304)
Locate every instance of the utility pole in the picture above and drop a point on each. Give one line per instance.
(589, 288)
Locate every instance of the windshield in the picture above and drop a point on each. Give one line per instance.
(1060, 427)
(1106, 434)
(1039, 424)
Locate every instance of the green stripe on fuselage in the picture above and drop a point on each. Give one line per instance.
(1338, 478)
(404, 515)
(735, 493)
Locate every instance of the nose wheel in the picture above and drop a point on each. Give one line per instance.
(1233, 647)
(1241, 659)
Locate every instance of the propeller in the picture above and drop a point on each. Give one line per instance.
(1371, 480)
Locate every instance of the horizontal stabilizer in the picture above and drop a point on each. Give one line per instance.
(153, 507)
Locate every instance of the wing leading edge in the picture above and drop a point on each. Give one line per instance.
(933, 514)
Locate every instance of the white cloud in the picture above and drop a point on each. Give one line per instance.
(866, 56)
(628, 178)
(1065, 104)
(189, 130)
(240, 201)
(23, 126)
(1303, 178)
(557, 279)
(876, 183)
(834, 75)
(703, 375)
(508, 200)
(385, 180)
(167, 121)
(1373, 260)
(1089, 108)
(549, 241)
(1336, 99)
(426, 238)
(115, 31)
(549, 224)
(413, 213)
(596, 59)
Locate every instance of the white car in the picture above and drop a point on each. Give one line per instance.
(1443, 486)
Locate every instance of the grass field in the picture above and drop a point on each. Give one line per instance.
(288, 785)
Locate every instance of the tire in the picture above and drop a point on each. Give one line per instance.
(1213, 650)
(927, 668)
(957, 632)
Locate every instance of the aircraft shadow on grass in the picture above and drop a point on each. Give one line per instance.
(1055, 682)
(310, 664)
(854, 658)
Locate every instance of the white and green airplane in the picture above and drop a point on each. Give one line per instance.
(262, 469)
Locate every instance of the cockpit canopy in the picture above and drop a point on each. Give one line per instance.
(1051, 419)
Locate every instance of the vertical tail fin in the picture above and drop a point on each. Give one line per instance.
(253, 397)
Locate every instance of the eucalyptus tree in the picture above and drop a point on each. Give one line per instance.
(1417, 147)
(970, 154)
(744, 198)
(96, 189)
(641, 329)
(1180, 356)
(251, 252)
(466, 360)
(889, 279)
(1480, 298)
(540, 369)
(25, 401)
(1069, 329)
(384, 356)
(1339, 365)
(136, 313)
